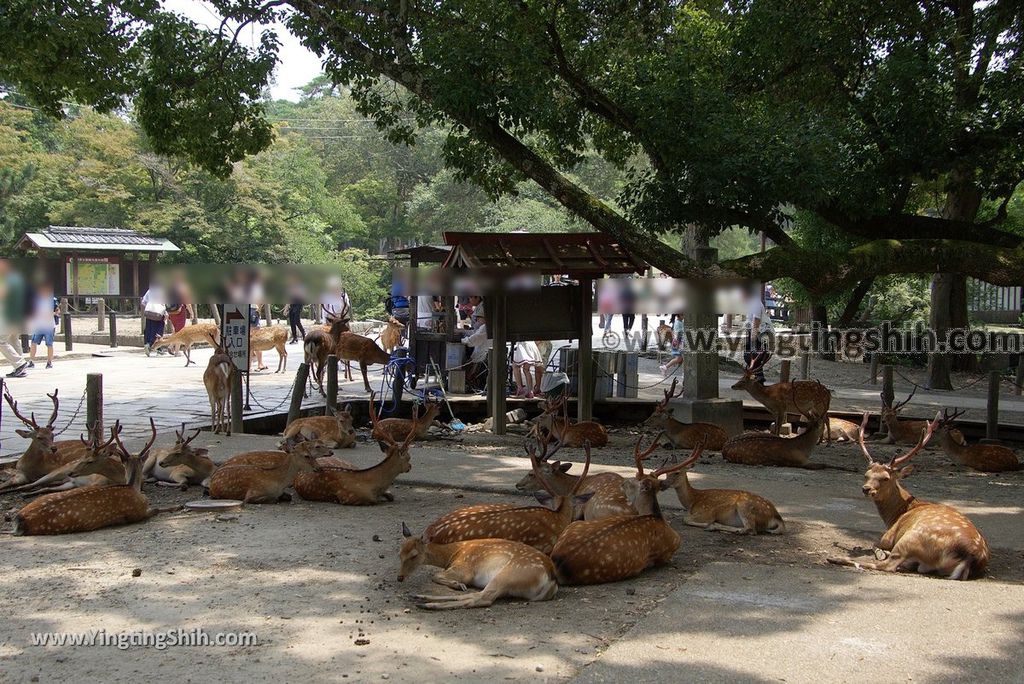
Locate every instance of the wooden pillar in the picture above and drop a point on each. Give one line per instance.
(101, 314)
(784, 370)
(992, 408)
(135, 281)
(496, 387)
(74, 279)
(585, 357)
(888, 392)
(94, 404)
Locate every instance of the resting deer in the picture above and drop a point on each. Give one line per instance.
(398, 428)
(605, 497)
(920, 535)
(681, 435)
(100, 464)
(262, 476)
(905, 432)
(391, 336)
(217, 379)
(781, 398)
(613, 549)
(90, 508)
(568, 434)
(180, 465)
(339, 482)
(838, 430)
(334, 429)
(986, 458)
(729, 510)
(43, 454)
(271, 337)
(759, 448)
(498, 567)
(188, 336)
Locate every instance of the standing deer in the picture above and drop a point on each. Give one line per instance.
(217, 379)
(613, 549)
(759, 448)
(321, 342)
(99, 464)
(271, 337)
(339, 482)
(565, 433)
(681, 435)
(90, 508)
(180, 465)
(497, 567)
(398, 428)
(391, 336)
(781, 398)
(43, 454)
(188, 336)
(985, 458)
(335, 429)
(920, 535)
(262, 476)
(905, 432)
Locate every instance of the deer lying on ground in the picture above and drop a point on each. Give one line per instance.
(217, 379)
(391, 336)
(100, 464)
(180, 465)
(398, 428)
(905, 432)
(271, 337)
(681, 435)
(617, 548)
(606, 498)
(560, 429)
(43, 454)
(498, 567)
(781, 398)
(986, 458)
(90, 508)
(334, 429)
(920, 535)
(729, 510)
(759, 448)
(188, 336)
(340, 482)
(262, 476)
(837, 430)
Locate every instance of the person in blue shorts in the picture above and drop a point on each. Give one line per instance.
(43, 323)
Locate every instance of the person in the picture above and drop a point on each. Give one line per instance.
(254, 295)
(398, 302)
(179, 304)
(607, 296)
(154, 310)
(678, 345)
(478, 318)
(14, 295)
(43, 323)
(527, 367)
(476, 373)
(296, 303)
(627, 300)
(758, 324)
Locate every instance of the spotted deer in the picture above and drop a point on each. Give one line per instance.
(391, 336)
(682, 435)
(43, 454)
(905, 432)
(536, 526)
(100, 464)
(617, 548)
(84, 509)
(321, 343)
(781, 398)
(985, 458)
(759, 448)
(837, 430)
(271, 337)
(335, 428)
(262, 476)
(217, 380)
(399, 428)
(180, 465)
(339, 482)
(188, 336)
(565, 432)
(498, 567)
(921, 535)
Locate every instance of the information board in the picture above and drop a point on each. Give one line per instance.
(235, 334)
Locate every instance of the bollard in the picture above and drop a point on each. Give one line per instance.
(784, 369)
(268, 314)
(100, 313)
(805, 365)
(874, 368)
(94, 404)
(992, 409)
(237, 427)
(68, 344)
(298, 389)
(332, 384)
(1019, 381)
(25, 348)
(113, 329)
(888, 394)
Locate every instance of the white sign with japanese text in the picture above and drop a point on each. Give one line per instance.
(235, 334)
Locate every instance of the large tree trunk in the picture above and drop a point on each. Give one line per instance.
(958, 319)
(853, 304)
(819, 329)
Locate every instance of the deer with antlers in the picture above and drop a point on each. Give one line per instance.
(340, 482)
(93, 507)
(498, 567)
(920, 535)
(905, 432)
(398, 428)
(781, 398)
(188, 336)
(335, 428)
(98, 465)
(217, 380)
(262, 476)
(985, 458)
(321, 343)
(682, 435)
(180, 465)
(759, 448)
(43, 454)
(563, 431)
(617, 548)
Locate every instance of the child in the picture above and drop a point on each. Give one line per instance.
(677, 347)
(43, 323)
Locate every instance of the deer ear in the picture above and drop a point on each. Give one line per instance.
(905, 471)
(406, 532)
(201, 451)
(543, 498)
(564, 467)
(584, 497)
(27, 434)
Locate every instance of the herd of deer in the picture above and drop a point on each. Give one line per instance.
(586, 529)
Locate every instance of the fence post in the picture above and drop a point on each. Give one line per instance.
(237, 426)
(332, 384)
(101, 306)
(992, 408)
(268, 314)
(784, 370)
(298, 389)
(1019, 380)
(94, 404)
(874, 368)
(68, 344)
(113, 329)
(805, 365)
(25, 348)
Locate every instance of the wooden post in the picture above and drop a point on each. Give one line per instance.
(332, 384)
(497, 384)
(874, 368)
(74, 277)
(94, 404)
(784, 369)
(585, 358)
(298, 390)
(1019, 380)
(237, 426)
(268, 314)
(216, 312)
(68, 343)
(113, 329)
(805, 365)
(135, 282)
(888, 394)
(992, 409)
(101, 307)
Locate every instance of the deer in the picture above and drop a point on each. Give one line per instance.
(188, 336)
(335, 428)
(536, 526)
(180, 465)
(271, 337)
(764, 449)
(985, 458)
(391, 336)
(84, 509)
(620, 547)
(217, 379)
(262, 476)
(339, 482)
(498, 567)
(398, 428)
(43, 454)
(321, 342)
(99, 465)
(780, 399)
(920, 535)
(837, 430)
(681, 435)
(564, 432)
(905, 432)
(663, 334)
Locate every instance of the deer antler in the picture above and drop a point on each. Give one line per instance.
(670, 394)
(639, 457)
(903, 403)
(56, 404)
(30, 422)
(949, 418)
(412, 430)
(860, 439)
(932, 425)
(184, 441)
(687, 462)
(586, 468)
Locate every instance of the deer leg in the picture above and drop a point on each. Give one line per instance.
(478, 599)
(366, 381)
(891, 564)
(693, 522)
(453, 578)
(387, 496)
(17, 480)
(50, 490)
(282, 359)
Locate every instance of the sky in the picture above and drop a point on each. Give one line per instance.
(297, 66)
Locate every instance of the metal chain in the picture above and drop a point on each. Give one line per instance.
(929, 389)
(252, 396)
(73, 416)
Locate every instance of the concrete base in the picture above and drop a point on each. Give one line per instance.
(726, 413)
